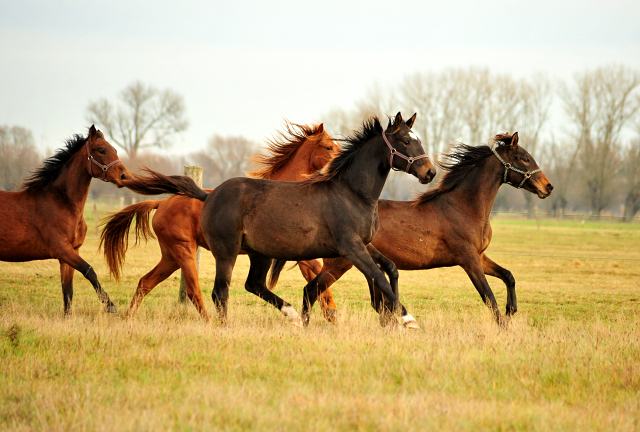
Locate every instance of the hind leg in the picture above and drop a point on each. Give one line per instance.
(66, 276)
(160, 272)
(257, 284)
(310, 269)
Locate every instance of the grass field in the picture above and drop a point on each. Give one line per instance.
(570, 359)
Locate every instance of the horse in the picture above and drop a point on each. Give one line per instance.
(45, 219)
(333, 213)
(449, 225)
(293, 155)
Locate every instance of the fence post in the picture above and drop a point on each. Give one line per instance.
(196, 174)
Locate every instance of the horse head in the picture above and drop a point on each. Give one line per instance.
(324, 148)
(521, 170)
(102, 159)
(406, 149)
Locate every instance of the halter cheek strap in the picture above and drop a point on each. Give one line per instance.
(395, 152)
(508, 166)
(104, 168)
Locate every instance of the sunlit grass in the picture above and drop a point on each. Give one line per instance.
(570, 359)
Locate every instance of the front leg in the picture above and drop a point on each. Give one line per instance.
(391, 270)
(472, 265)
(493, 269)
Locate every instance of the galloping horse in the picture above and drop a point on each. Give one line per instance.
(449, 224)
(44, 220)
(333, 213)
(294, 155)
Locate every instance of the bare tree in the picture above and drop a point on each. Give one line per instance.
(143, 117)
(600, 104)
(562, 169)
(18, 156)
(224, 158)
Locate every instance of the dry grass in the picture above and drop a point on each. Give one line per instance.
(569, 361)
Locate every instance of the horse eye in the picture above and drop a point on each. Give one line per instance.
(526, 160)
(101, 151)
(329, 148)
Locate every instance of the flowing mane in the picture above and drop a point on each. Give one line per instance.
(370, 128)
(280, 149)
(458, 162)
(53, 165)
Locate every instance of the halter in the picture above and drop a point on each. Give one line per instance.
(103, 167)
(395, 152)
(508, 166)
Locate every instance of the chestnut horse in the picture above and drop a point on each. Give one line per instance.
(45, 219)
(333, 213)
(293, 155)
(449, 224)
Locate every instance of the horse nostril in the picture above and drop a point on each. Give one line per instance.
(123, 176)
(549, 187)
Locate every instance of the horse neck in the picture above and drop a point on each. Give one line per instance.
(74, 181)
(299, 166)
(369, 170)
(476, 194)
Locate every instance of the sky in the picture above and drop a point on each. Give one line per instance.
(244, 66)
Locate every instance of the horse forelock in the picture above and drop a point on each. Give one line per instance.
(51, 167)
(281, 148)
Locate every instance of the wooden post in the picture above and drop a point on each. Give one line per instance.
(196, 173)
(97, 216)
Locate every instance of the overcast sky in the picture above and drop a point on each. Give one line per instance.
(244, 66)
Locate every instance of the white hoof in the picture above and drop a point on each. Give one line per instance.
(410, 322)
(296, 322)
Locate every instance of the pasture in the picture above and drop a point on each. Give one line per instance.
(570, 359)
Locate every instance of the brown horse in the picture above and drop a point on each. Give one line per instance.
(449, 224)
(334, 213)
(293, 155)
(45, 221)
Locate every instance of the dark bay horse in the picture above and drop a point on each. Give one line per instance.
(333, 213)
(293, 155)
(449, 224)
(45, 219)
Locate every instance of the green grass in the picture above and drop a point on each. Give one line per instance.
(570, 359)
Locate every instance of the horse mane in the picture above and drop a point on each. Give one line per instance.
(53, 165)
(280, 149)
(461, 159)
(370, 128)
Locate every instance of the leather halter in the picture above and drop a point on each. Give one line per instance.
(508, 166)
(395, 152)
(104, 168)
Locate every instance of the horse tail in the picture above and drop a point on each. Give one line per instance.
(115, 234)
(276, 268)
(156, 183)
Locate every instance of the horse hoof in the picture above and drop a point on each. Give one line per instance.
(296, 321)
(412, 325)
(112, 309)
(331, 315)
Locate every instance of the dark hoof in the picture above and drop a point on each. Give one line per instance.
(511, 310)
(112, 309)
(503, 321)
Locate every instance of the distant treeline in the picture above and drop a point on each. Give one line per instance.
(584, 134)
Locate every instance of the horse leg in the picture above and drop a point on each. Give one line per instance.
(473, 268)
(309, 270)
(186, 259)
(331, 271)
(66, 254)
(66, 276)
(391, 270)
(159, 273)
(257, 284)
(493, 269)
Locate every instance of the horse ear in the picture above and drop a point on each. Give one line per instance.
(320, 128)
(411, 120)
(93, 132)
(514, 140)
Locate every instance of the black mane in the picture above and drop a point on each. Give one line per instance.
(458, 162)
(370, 128)
(52, 166)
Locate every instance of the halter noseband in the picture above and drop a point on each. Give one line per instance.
(395, 152)
(104, 168)
(507, 166)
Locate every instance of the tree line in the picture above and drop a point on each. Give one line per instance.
(585, 134)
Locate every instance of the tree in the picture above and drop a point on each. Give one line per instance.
(143, 117)
(224, 158)
(18, 156)
(600, 104)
